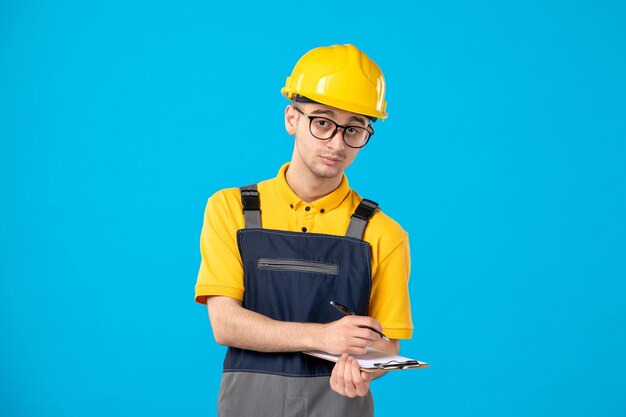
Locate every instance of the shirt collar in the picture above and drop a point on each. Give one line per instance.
(328, 202)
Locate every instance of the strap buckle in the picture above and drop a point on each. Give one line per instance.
(366, 209)
(250, 200)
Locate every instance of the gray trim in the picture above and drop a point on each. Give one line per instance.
(244, 394)
(297, 265)
(252, 218)
(356, 228)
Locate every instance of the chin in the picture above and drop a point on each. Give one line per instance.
(328, 172)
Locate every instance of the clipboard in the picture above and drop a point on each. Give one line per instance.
(374, 360)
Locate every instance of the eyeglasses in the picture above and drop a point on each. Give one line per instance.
(325, 129)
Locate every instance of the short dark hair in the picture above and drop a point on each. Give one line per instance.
(302, 99)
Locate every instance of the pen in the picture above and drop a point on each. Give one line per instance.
(347, 312)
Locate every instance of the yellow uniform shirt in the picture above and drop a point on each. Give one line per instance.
(221, 270)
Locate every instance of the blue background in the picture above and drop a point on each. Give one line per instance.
(504, 157)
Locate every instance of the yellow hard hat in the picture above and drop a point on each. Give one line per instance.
(339, 76)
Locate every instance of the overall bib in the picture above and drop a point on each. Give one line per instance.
(293, 276)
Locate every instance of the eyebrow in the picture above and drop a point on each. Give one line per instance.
(331, 113)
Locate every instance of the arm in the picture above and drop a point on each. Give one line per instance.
(235, 326)
(389, 303)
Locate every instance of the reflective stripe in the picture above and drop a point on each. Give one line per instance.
(356, 228)
(296, 265)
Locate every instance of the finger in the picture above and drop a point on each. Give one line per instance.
(356, 350)
(365, 333)
(368, 376)
(359, 345)
(362, 338)
(365, 321)
(339, 371)
(372, 337)
(349, 387)
(361, 385)
(333, 378)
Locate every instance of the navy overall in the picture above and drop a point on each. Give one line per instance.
(293, 276)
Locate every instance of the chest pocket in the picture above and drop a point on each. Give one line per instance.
(297, 265)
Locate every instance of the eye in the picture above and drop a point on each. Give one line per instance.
(353, 131)
(323, 123)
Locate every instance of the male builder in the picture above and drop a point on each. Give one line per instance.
(276, 253)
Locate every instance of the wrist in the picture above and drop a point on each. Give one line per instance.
(311, 336)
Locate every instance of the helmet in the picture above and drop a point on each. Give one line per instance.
(339, 76)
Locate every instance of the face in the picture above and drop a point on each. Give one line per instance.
(323, 158)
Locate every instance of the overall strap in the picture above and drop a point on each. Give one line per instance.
(359, 219)
(251, 207)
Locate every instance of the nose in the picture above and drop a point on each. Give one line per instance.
(336, 141)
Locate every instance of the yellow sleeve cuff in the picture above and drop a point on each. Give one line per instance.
(398, 333)
(204, 291)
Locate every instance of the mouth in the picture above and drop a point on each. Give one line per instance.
(330, 160)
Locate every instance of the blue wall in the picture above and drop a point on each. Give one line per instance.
(504, 157)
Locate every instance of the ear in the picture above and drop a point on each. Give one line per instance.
(291, 117)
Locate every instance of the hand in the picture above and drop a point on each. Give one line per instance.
(348, 380)
(350, 334)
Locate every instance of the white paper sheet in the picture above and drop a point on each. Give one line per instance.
(371, 359)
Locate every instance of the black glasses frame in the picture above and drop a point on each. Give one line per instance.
(369, 129)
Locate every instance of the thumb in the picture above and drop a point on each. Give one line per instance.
(367, 376)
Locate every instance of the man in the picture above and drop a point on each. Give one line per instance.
(275, 254)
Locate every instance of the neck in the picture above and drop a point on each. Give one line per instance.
(308, 186)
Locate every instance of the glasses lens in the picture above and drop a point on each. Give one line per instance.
(353, 136)
(322, 128)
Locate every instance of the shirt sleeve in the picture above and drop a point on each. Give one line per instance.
(389, 302)
(221, 271)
